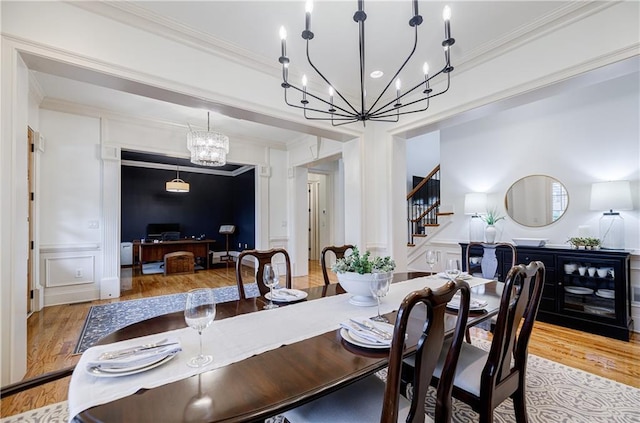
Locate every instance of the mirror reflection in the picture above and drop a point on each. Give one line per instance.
(536, 200)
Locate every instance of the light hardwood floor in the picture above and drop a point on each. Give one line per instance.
(53, 333)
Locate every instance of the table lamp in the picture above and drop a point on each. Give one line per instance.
(609, 196)
(475, 203)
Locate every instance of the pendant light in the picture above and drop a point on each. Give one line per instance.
(177, 184)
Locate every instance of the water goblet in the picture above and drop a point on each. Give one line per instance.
(199, 313)
(453, 269)
(379, 288)
(432, 259)
(270, 278)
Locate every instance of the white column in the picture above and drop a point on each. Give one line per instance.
(110, 281)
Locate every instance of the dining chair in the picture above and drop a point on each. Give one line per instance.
(338, 251)
(262, 258)
(489, 255)
(494, 272)
(485, 379)
(371, 399)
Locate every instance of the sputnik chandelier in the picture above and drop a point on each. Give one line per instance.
(324, 108)
(208, 148)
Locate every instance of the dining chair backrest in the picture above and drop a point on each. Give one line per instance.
(486, 379)
(262, 258)
(338, 251)
(509, 246)
(427, 353)
(518, 309)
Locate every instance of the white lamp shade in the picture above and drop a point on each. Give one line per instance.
(475, 203)
(611, 195)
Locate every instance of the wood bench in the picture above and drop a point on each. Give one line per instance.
(179, 262)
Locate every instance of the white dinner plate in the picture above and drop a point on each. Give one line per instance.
(129, 370)
(580, 290)
(606, 293)
(361, 342)
(599, 310)
(299, 295)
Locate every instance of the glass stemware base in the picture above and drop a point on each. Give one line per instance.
(200, 361)
(380, 319)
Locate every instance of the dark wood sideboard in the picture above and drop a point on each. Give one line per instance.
(588, 290)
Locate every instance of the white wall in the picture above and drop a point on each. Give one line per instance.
(423, 154)
(578, 137)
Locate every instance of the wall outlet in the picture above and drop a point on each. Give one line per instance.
(245, 246)
(239, 245)
(78, 273)
(94, 224)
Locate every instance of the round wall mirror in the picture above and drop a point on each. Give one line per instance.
(536, 200)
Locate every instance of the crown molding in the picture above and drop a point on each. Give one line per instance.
(136, 16)
(83, 110)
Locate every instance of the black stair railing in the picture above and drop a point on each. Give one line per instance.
(423, 204)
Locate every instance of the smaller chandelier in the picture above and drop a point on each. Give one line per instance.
(208, 148)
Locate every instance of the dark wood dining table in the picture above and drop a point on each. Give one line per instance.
(266, 384)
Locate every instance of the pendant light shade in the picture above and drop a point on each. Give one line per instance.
(177, 184)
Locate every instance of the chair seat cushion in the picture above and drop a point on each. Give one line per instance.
(469, 369)
(358, 402)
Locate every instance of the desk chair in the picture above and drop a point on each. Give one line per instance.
(338, 251)
(485, 379)
(370, 399)
(262, 257)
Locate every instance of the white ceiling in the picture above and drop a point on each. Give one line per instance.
(249, 29)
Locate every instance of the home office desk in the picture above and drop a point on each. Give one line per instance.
(264, 384)
(145, 252)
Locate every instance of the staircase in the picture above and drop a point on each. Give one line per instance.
(423, 204)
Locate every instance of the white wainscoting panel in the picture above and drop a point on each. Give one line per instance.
(71, 270)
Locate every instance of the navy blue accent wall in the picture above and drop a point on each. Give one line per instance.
(211, 202)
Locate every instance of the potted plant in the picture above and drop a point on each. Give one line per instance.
(356, 272)
(592, 243)
(491, 218)
(577, 242)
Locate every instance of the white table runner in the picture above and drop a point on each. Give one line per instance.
(232, 340)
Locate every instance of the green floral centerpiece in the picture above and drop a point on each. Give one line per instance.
(357, 271)
(363, 263)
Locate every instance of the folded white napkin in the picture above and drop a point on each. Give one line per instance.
(462, 276)
(286, 294)
(474, 303)
(136, 359)
(365, 334)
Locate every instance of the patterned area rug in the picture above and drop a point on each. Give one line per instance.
(555, 393)
(104, 319)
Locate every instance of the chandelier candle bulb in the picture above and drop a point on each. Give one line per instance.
(446, 15)
(283, 41)
(304, 89)
(307, 16)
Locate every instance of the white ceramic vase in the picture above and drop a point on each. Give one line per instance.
(359, 287)
(490, 234)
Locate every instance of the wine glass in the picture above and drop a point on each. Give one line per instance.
(379, 288)
(453, 269)
(199, 313)
(432, 259)
(270, 278)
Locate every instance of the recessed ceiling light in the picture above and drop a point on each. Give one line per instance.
(376, 74)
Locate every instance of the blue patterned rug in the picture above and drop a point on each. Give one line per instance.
(104, 319)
